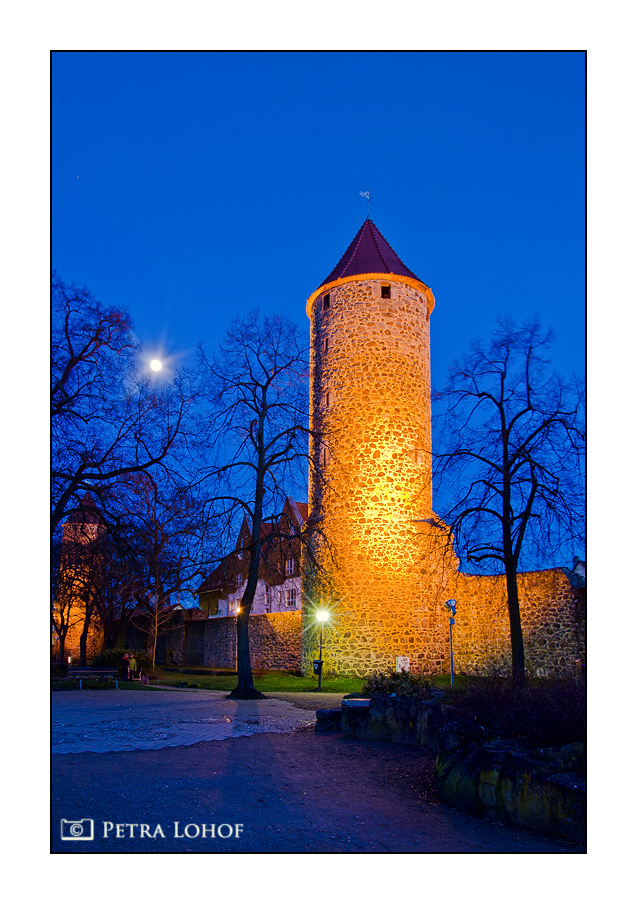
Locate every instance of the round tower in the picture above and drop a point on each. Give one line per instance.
(370, 478)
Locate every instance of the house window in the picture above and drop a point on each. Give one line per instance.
(289, 566)
(290, 597)
(239, 580)
(327, 400)
(326, 301)
(268, 598)
(327, 343)
(385, 292)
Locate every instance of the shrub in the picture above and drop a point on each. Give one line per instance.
(108, 657)
(402, 684)
(114, 657)
(550, 713)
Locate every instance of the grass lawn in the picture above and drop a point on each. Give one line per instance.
(268, 682)
(265, 682)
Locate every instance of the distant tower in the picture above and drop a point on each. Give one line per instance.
(79, 570)
(370, 481)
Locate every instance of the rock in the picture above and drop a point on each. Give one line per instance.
(328, 719)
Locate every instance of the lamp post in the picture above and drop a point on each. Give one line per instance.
(322, 616)
(451, 606)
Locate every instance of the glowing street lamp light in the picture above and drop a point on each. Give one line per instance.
(451, 606)
(321, 616)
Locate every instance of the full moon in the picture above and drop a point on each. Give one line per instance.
(155, 364)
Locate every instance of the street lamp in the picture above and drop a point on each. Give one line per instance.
(321, 616)
(451, 606)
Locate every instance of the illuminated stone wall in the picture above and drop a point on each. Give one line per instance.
(552, 614)
(94, 639)
(275, 642)
(384, 568)
(370, 484)
(74, 574)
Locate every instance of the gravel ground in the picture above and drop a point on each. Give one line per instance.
(297, 792)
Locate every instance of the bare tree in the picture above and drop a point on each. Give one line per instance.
(108, 419)
(166, 539)
(65, 613)
(121, 581)
(258, 387)
(511, 438)
(77, 575)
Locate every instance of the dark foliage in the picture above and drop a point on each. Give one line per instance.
(550, 713)
(402, 684)
(114, 657)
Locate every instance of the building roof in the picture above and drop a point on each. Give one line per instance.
(216, 580)
(221, 578)
(86, 513)
(369, 252)
(303, 509)
(576, 580)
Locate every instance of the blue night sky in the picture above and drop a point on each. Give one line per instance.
(192, 187)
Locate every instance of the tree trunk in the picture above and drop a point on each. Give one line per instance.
(111, 633)
(245, 689)
(84, 636)
(517, 641)
(511, 568)
(154, 649)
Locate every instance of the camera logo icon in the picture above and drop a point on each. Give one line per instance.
(77, 830)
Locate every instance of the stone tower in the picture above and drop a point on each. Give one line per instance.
(370, 490)
(79, 569)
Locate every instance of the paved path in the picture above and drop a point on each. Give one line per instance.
(150, 719)
(178, 759)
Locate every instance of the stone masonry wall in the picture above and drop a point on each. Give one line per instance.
(275, 642)
(370, 487)
(552, 615)
(94, 640)
(385, 568)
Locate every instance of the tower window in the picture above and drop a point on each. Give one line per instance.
(327, 343)
(327, 400)
(385, 291)
(326, 301)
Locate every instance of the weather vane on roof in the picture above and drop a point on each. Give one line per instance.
(366, 194)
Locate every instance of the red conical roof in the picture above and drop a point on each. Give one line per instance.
(369, 252)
